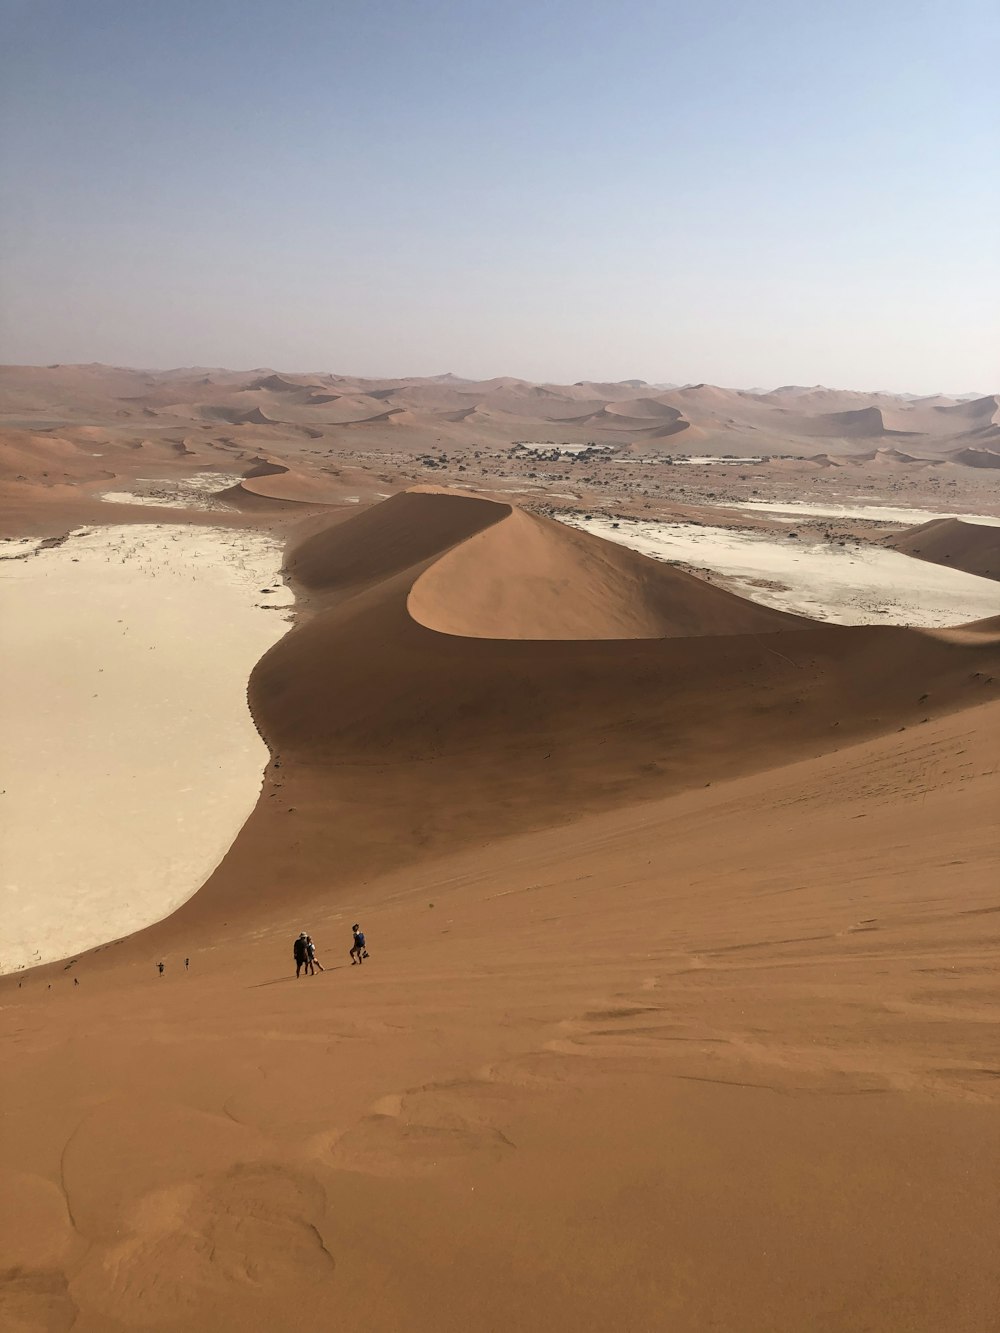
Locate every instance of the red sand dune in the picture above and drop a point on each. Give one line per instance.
(417, 413)
(682, 1002)
(978, 411)
(974, 547)
(524, 577)
(273, 484)
(864, 423)
(988, 458)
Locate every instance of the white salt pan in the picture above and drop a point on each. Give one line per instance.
(849, 585)
(876, 513)
(128, 758)
(197, 492)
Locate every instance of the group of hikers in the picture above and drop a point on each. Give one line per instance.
(304, 952)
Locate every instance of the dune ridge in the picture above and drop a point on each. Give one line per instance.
(509, 730)
(973, 547)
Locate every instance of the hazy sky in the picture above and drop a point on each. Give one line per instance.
(787, 192)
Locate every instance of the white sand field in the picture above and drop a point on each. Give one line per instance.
(195, 492)
(854, 584)
(128, 757)
(876, 513)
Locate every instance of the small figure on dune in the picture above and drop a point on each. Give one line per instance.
(160, 966)
(358, 951)
(300, 952)
(187, 963)
(311, 957)
(76, 981)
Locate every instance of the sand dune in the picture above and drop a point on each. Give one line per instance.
(987, 458)
(674, 939)
(948, 541)
(979, 411)
(789, 420)
(279, 384)
(501, 718)
(529, 578)
(394, 416)
(400, 534)
(274, 483)
(864, 423)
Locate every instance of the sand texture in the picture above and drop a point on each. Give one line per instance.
(682, 1005)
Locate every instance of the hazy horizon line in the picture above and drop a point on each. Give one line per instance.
(636, 380)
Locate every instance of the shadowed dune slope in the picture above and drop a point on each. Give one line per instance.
(977, 457)
(532, 578)
(973, 547)
(746, 1032)
(400, 533)
(394, 742)
(276, 483)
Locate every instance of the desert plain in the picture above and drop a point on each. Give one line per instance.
(651, 732)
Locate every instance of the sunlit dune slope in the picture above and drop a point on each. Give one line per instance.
(394, 741)
(532, 578)
(270, 483)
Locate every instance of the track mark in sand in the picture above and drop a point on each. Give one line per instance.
(179, 1244)
(600, 1015)
(62, 1168)
(728, 1082)
(767, 944)
(421, 1130)
(36, 1298)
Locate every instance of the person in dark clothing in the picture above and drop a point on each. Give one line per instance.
(300, 953)
(358, 951)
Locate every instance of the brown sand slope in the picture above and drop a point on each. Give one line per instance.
(744, 1031)
(973, 547)
(682, 1002)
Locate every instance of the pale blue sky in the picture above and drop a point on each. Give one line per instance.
(787, 193)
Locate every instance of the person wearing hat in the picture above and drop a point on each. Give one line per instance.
(300, 952)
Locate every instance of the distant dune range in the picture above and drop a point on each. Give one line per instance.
(262, 407)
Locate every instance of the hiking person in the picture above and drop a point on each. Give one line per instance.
(160, 966)
(313, 961)
(358, 950)
(301, 954)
